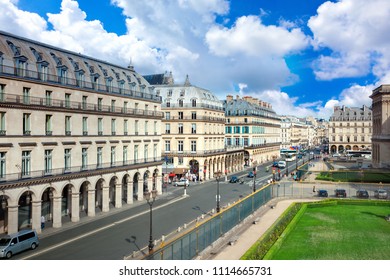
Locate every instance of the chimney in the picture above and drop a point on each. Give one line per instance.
(248, 99)
(229, 98)
(255, 101)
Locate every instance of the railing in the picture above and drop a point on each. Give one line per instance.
(202, 118)
(56, 103)
(197, 153)
(190, 105)
(61, 171)
(54, 79)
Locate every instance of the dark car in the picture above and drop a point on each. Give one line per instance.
(340, 193)
(234, 179)
(251, 174)
(323, 193)
(362, 194)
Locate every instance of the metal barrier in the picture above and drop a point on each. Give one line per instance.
(191, 243)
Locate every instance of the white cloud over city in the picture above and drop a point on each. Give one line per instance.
(185, 37)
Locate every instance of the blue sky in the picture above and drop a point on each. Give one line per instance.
(304, 57)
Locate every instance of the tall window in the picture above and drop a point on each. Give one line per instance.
(125, 107)
(181, 103)
(193, 128)
(169, 92)
(85, 125)
(2, 123)
(193, 115)
(180, 146)
(84, 158)
(113, 156)
(155, 152)
(155, 128)
(99, 157)
(48, 161)
(136, 127)
(26, 163)
(124, 155)
(84, 103)
(2, 165)
(167, 115)
(146, 127)
(48, 98)
(100, 126)
(113, 126)
(167, 145)
(180, 126)
(113, 105)
(180, 115)
(168, 103)
(26, 124)
(125, 127)
(193, 102)
(26, 95)
(135, 153)
(146, 153)
(48, 127)
(67, 125)
(167, 128)
(2, 92)
(100, 104)
(67, 100)
(193, 146)
(67, 159)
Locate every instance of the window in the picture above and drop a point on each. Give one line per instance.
(100, 126)
(193, 115)
(113, 156)
(113, 105)
(155, 128)
(180, 115)
(124, 155)
(67, 159)
(84, 103)
(85, 125)
(193, 146)
(26, 95)
(167, 128)
(193, 102)
(146, 127)
(136, 154)
(26, 124)
(48, 161)
(182, 92)
(48, 127)
(84, 158)
(2, 123)
(67, 126)
(2, 165)
(167, 115)
(180, 128)
(169, 92)
(67, 100)
(100, 104)
(48, 98)
(146, 153)
(181, 103)
(246, 142)
(193, 128)
(125, 127)
(237, 141)
(43, 73)
(2, 92)
(155, 152)
(125, 107)
(26, 163)
(168, 103)
(180, 146)
(180, 160)
(167, 145)
(363, 139)
(113, 126)
(99, 157)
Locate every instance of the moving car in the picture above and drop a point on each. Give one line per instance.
(323, 193)
(340, 193)
(182, 182)
(234, 179)
(362, 194)
(282, 164)
(381, 193)
(251, 174)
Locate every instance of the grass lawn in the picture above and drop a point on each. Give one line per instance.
(340, 232)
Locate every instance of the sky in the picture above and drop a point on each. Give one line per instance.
(302, 56)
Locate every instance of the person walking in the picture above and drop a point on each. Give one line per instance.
(314, 188)
(43, 222)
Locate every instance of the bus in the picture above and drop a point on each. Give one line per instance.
(288, 155)
(365, 154)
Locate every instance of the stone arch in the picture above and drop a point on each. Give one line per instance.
(348, 147)
(112, 191)
(99, 194)
(83, 198)
(341, 149)
(4, 212)
(333, 149)
(47, 203)
(136, 179)
(125, 188)
(146, 177)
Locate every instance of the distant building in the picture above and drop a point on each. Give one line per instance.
(381, 127)
(296, 132)
(350, 128)
(253, 125)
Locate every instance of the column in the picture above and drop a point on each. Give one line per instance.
(150, 183)
(91, 201)
(57, 218)
(159, 184)
(118, 194)
(105, 197)
(75, 210)
(36, 215)
(140, 196)
(130, 194)
(12, 218)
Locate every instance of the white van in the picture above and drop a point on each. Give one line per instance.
(282, 164)
(18, 242)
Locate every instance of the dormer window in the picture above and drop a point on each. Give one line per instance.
(109, 84)
(193, 102)
(182, 92)
(181, 103)
(169, 92)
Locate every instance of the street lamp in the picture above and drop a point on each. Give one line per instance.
(286, 168)
(254, 179)
(217, 176)
(150, 197)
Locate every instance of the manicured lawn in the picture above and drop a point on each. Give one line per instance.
(340, 232)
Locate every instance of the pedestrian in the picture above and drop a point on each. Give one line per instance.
(314, 188)
(42, 222)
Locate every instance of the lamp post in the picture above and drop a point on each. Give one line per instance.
(254, 179)
(150, 197)
(217, 176)
(296, 162)
(286, 168)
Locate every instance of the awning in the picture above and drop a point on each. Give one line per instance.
(180, 170)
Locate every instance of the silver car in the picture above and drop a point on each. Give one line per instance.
(381, 193)
(182, 182)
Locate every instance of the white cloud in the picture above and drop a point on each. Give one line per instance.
(355, 32)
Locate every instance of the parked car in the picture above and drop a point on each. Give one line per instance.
(362, 194)
(251, 174)
(234, 179)
(282, 164)
(18, 242)
(381, 193)
(182, 182)
(336, 155)
(323, 193)
(340, 193)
